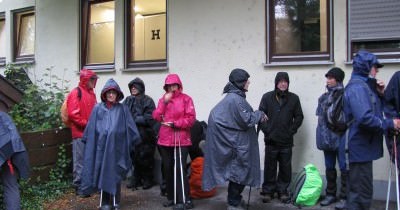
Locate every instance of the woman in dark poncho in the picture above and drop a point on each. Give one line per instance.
(110, 135)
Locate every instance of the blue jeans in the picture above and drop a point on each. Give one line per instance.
(330, 160)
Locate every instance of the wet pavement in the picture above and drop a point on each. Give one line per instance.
(152, 200)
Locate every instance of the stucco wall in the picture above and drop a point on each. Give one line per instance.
(207, 39)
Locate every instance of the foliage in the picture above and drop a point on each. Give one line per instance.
(60, 172)
(40, 105)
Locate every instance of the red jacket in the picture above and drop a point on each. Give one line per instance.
(179, 110)
(79, 109)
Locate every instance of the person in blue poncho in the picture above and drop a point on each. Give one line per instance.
(14, 162)
(110, 136)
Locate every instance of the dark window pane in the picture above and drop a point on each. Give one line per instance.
(300, 26)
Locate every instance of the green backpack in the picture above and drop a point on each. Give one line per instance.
(306, 187)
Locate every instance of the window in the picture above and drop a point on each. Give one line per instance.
(374, 25)
(97, 35)
(299, 30)
(24, 35)
(2, 40)
(146, 34)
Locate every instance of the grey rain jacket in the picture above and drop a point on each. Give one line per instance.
(231, 151)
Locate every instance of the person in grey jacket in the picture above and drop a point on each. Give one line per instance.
(231, 150)
(285, 117)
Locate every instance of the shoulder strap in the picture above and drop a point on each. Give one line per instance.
(79, 93)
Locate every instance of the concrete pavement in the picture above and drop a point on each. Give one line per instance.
(151, 200)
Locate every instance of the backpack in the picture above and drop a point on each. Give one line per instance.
(64, 109)
(305, 189)
(335, 117)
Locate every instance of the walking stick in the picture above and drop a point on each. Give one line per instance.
(389, 183)
(174, 167)
(248, 200)
(101, 197)
(181, 168)
(397, 170)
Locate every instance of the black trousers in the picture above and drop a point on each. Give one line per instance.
(143, 161)
(234, 193)
(360, 188)
(167, 156)
(277, 180)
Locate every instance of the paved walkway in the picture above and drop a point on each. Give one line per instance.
(151, 200)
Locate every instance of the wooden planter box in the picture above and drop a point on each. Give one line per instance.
(43, 147)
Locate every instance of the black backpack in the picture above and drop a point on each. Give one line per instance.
(334, 114)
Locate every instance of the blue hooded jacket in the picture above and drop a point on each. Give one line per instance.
(364, 108)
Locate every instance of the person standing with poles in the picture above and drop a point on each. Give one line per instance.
(176, 113)
(392, 111)
(363, 140)
(231, 149)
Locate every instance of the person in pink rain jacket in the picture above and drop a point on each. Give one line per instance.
(175, 111)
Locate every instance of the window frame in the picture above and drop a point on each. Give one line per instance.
(85, 13)
(391, 55)
(30, 11)
(141, 65)
(3, 59)
(305, 58)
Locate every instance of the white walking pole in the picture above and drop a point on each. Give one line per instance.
(101, 197)
(397, 171)
(174, 167)
(389, 182)
(180, 161)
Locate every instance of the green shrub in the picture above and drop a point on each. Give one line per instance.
(42, 99)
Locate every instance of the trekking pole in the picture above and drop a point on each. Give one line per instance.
(248, 200)
(181, 167)
(389, 182)
(101, 197)
(397, 171)
(174, 167)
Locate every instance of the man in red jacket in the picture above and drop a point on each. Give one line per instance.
(80, 102)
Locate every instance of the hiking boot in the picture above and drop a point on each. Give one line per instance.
(267, 198)
(147, 185)
(328, 200)
(189, 204)
(179, 206)
(168, 203)
(105, 207)
(341, 205)
(238, 207)
(284, 198)
(117, 207)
